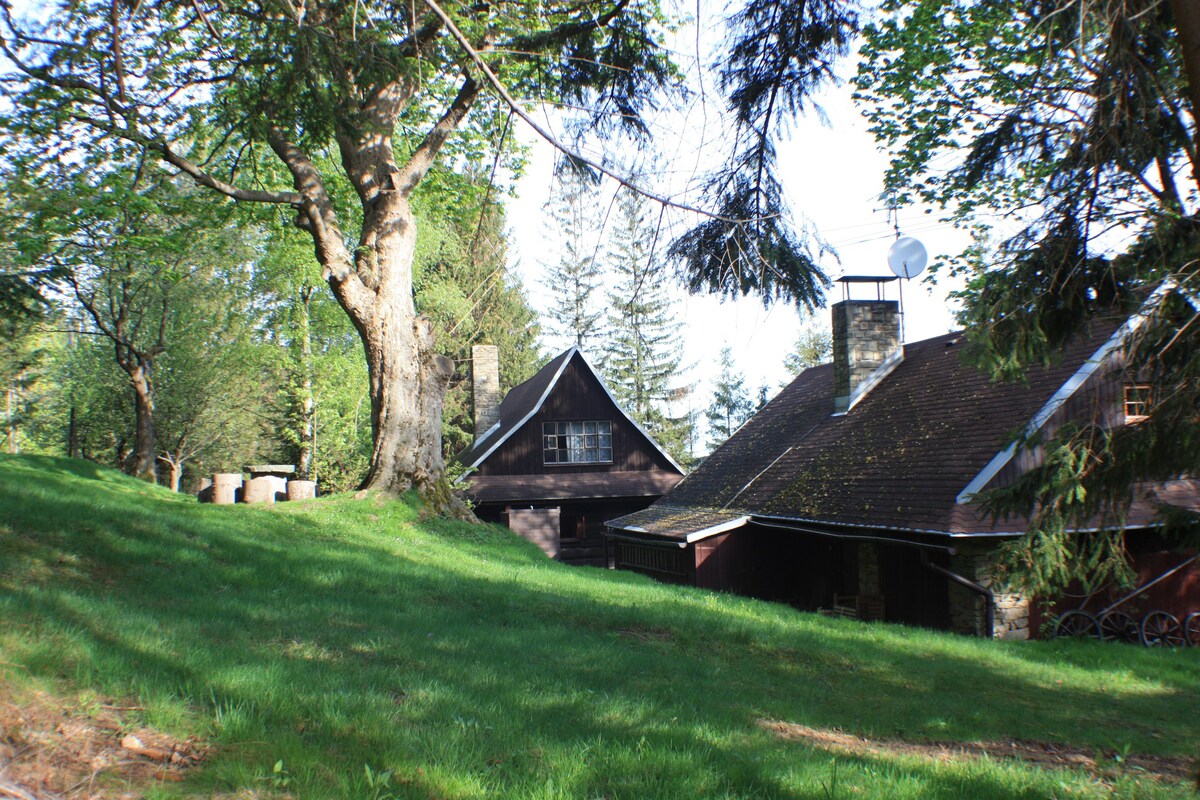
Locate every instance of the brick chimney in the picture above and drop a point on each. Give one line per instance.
(866, 347)
(485, 386)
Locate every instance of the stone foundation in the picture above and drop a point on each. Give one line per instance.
(968, 611)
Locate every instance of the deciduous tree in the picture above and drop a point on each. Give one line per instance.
(212, 89)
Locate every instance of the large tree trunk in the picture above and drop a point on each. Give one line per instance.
(408, 379)
(143, 402)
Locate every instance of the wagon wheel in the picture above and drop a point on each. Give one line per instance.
(1117, 626)
(1077, 625)
(1160, 628)
(1191, 629)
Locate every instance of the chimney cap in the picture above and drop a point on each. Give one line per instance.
(867, 279)
(878, 281)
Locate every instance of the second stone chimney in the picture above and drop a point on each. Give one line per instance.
(485, 386)
(866, 347)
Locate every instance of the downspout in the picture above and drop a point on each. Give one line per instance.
(988, 600)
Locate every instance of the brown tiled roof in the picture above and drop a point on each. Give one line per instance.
(578, 485)
(898, 460)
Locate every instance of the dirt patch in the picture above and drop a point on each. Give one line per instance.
(1175, 769)
(53, 749)
(646, 634)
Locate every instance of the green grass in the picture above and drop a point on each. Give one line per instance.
(341, 635)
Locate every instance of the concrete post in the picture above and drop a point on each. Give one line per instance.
(301, 490)
(259, 490)
(225, 487)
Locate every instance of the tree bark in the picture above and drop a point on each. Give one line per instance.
(308, 411)
(11, 421)
(143, 403)
(408, 379)
(175, 473)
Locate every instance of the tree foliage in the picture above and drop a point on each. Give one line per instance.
(574, 222)
(814, 346)
(643, 353)
(731, 404)
(1076, 122)
(778, 53)
(249, 101)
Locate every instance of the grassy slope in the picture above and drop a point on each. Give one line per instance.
(341, 634)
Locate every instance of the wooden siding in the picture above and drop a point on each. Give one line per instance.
(1178, 595)
(1101, 398)
(912, 592)
(577, 396)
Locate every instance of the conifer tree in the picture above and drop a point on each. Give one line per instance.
(814, 345)
(642, 355)
(731, 405)
(572, 222)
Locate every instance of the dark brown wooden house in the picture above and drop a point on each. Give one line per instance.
(855, 487)
(559, 457)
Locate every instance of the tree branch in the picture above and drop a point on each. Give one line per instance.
(550, 139)
(422, 158)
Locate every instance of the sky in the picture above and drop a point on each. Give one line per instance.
(833, 174)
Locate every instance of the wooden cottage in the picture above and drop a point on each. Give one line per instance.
(855, 487)
(559, 457)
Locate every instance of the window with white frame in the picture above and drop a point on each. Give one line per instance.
(1137, 402)
(588, 442)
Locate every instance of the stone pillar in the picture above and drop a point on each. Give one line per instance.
(485, 386)
(866, 346)
(259, 490)
(225, 487)
(868, 569)
(301, 490)
(968, 611)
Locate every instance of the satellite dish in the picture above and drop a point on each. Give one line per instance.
(907, 257)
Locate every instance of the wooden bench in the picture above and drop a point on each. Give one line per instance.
(854, 606)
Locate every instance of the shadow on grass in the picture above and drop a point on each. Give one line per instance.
(471, 666)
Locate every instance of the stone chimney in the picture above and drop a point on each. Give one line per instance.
(485, 386)
(866, 347)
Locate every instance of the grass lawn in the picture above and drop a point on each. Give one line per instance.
(348, 649)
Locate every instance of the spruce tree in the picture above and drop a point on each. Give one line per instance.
(731, 405)
(572, 221)
(642, 355)
(814, 346)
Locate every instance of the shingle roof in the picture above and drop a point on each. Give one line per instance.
(898, 460)
(578, 485)
(524, 400)
(520, 402)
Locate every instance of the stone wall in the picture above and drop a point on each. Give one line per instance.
(968, 612)
(866, 333)
(485, 384)
(868, 569)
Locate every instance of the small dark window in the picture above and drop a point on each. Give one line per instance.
(1137, 402)
(577, 442)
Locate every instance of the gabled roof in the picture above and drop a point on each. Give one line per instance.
(525, 400)
(898, 461)
(574, 486)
